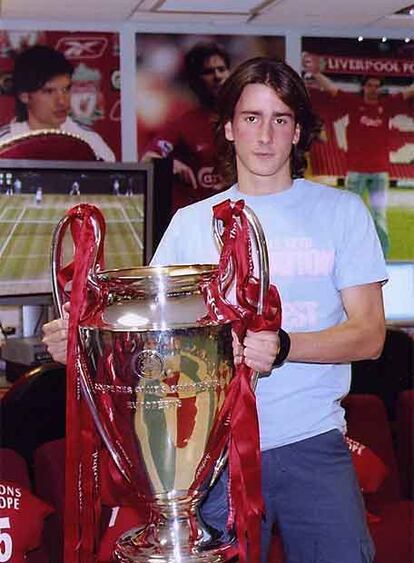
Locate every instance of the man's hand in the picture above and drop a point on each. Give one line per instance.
(259, 350)
(55, 336)
(185, 173)
(311, 63)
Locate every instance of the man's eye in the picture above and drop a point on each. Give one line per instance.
(251, 119)
(281, 120)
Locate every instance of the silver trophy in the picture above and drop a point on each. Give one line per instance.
(155, 379)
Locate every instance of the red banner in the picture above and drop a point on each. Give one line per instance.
(333, 64)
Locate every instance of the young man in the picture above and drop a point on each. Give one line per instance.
(367, 138)
(42, 79)
(189, 138)
(326, 260)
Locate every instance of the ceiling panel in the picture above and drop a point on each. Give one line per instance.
(183, 17)
(76, 10)
(232, 6)
(330, 13)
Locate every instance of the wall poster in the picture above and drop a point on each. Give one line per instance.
(95, 89)
(364, 93)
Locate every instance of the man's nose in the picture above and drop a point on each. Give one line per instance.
(62, 97)
(219, 75)
(265, 132)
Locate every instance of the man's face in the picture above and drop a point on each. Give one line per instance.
(263, 130)
(48, 107)
(371, 89)
(213, 74)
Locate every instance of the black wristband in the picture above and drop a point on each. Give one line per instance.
(284, 348)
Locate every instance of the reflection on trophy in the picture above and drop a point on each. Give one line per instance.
(155, 380)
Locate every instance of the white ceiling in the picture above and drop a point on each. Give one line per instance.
(346, 16)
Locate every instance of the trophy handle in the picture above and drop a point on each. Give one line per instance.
(263, 259)
(263, 264)
(59, 290)
(61, 295)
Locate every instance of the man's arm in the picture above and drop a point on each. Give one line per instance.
(326, 83)
(149, 155)
(360, 337)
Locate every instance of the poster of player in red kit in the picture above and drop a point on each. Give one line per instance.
(364, 92)
(92, 109)
(178, 78)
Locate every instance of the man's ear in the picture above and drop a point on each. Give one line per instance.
(296, 136)
(23, 97)
(228, 131)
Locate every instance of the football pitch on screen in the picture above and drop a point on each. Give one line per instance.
(27, 225)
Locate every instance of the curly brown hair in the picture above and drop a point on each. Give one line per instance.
(290, 88)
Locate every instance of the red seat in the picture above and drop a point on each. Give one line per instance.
(13, 467)
(367, 422)
(38, 556)
(49, 475)
(405, 441)
(33, 409)
(393, 534)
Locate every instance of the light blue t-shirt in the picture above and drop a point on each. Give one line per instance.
(320, 240)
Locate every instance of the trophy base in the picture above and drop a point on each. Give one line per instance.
(146, 545)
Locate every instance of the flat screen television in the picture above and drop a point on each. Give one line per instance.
(35, 195)
(399, 294)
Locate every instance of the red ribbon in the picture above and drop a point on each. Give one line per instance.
(82, 508)
(239, 409)
(83, 445)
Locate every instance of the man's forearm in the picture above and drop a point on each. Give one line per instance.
(347, 342)
(408, 92)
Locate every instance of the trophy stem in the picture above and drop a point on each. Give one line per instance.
(179, 536)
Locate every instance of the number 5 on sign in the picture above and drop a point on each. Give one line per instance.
(6, 543)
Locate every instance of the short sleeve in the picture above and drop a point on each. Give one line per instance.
(359, 257)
